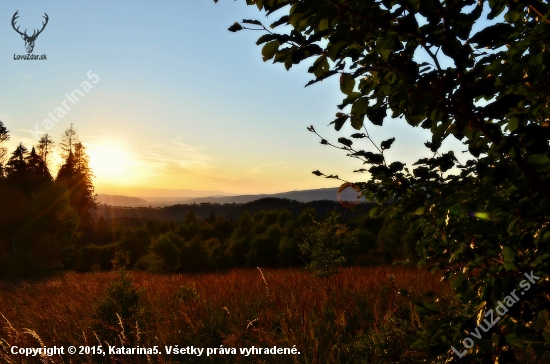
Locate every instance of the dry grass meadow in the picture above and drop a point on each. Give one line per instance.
(355, 316)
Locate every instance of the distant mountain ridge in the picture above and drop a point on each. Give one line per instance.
(330, 194)
(146, 193)
(137, 215)
(118, 200)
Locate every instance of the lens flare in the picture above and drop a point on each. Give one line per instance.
(480, 215)
(347, 197)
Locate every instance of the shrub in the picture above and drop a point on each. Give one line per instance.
(98, 256)
(188, 293)
(328, 245)
(120, 308)
(166, 250)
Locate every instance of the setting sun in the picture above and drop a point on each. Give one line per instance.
(109, 163)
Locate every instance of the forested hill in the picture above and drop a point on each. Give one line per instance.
(229, 211)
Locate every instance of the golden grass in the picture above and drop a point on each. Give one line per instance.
(325, 319)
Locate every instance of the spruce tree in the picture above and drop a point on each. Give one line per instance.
(45, 145)
(16, 169)
(76, 175)
(38, 172)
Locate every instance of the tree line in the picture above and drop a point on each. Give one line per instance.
(49, 224)
(268, 238)
(44, 220)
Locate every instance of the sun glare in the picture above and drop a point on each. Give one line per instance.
(109, 163)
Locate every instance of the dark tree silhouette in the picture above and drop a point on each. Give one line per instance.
(16, 169)
(76, 175)
(38, 172)
(45, 145)
(68, 140)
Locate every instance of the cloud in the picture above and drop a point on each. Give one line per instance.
(29, 131)
(175, 159)
(258, 169)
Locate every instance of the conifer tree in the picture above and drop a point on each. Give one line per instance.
(45, 145)
(76, 175)
(68, 140)
(38, 172)
(16, 169)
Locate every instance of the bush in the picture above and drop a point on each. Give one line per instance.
(289, 253)
(188, 293)
(98, 256)
(119, 309)
(166, 250)
(328, 244)
(192, 256)
(215, 254)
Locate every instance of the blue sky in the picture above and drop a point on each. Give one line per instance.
(181, 103)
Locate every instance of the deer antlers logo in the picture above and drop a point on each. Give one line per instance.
(29, 39)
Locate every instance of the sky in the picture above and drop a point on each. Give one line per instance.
(169, 98)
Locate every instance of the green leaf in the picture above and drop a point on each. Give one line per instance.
(457, 282)
(235, 27)
(492, 35)
(396, 167)
(266, 38)
(540, 162)
(339, 121)
(509, 258)
(358, 111)
(513, 124)
(377, 114)
(388, 44)
(347, 83)
(335, 49)
(536, 65)
(423, 311)
(526, 334)
(386, 144)
(345, 141)
(371, 157)
(374, 212)
(500, 107)
(282, 20)
(421, 345)
(320, 67)
(432, 306)
(249, 21)
(269, 50)
(379, 172)
(323, 24)
(513, 340)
